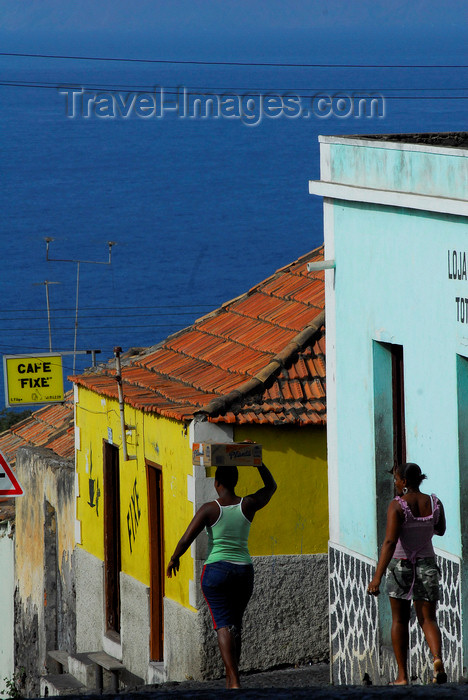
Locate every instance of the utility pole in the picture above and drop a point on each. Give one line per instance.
(49, 240)
(46, 283)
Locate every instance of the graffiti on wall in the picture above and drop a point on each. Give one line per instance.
(93, 488)
(133, 516)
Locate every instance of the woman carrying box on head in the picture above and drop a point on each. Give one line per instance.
(227, 578)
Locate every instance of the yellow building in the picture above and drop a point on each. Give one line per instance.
(253, 369)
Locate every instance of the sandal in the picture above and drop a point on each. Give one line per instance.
(439, 676)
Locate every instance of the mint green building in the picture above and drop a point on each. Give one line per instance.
(396, 236)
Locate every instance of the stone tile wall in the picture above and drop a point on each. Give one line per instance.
(354, 624)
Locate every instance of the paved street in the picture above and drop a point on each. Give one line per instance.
(291, 679)
(304, 682)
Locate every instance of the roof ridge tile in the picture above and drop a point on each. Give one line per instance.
(261, 379)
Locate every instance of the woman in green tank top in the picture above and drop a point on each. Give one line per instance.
(227, 578)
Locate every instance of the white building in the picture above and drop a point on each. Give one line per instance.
(396, 227)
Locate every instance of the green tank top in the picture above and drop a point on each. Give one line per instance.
(228, 537)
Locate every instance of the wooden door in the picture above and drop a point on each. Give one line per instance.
(398, 391)
(156, 548)
(112, 563)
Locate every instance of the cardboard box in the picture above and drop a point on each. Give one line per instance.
(222, 454)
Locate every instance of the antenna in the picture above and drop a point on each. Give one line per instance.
(46, 283)
(48, 241)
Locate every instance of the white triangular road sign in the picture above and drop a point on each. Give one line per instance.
(9, 484)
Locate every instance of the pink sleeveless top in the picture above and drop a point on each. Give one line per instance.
(416, 533)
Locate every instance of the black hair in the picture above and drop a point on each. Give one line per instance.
(227, 476)
(412, 473)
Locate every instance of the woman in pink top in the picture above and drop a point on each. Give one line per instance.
(412, 520)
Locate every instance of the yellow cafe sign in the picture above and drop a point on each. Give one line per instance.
(33, 379)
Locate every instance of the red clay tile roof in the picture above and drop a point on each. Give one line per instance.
(51, 426)
(259, 358)
(7, 509)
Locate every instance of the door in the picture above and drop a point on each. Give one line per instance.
(390, 447)
(462, 386)
(156, 550)
(398, 400)
(112, 564)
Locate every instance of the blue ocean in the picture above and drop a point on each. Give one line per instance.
(200, 209)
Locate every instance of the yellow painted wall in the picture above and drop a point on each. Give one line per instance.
(167, 443)
(155, 439)
(296, 519)
(294, 522)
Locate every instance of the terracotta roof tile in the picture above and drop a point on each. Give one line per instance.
(257, 359)
(51, 427)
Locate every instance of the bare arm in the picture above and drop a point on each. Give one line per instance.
(202, 517)
(392, 533)
(259, 499)
(441, 526)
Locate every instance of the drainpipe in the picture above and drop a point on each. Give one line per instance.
(321, 265)
(118, 378)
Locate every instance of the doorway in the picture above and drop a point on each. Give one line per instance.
(156, 553)
(112, 560)
(462, 406)
(398, 401)
(390, 445)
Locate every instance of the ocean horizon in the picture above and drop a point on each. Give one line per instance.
(201, 208)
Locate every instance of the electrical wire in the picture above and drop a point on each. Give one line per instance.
(95, 413)
(203, 88)
(54, 317)
(232, 93)
(230, 63)
(113, 308)
(89, 328)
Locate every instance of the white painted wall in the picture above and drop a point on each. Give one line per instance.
(396, 224)
(7, 563)
(393, 283)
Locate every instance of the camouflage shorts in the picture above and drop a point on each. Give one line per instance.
(400, 576)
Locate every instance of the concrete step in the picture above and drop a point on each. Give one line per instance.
(83, 668)
(156, 673)
(105, 662)
(57, 661)
(61, 684)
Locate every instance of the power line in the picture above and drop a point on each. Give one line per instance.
(176, 89)
(232, 93)
(119, 308)
(41, 315)
(54, 317)
(22, 349)
(229, 63)
(90, 328)
(6, 349)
